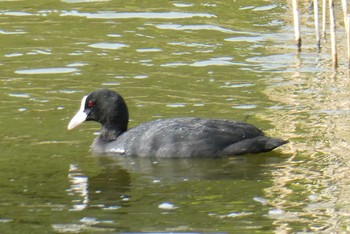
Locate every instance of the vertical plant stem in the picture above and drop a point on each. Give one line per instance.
(317, 27)
(324, 15)
(333, 38)
(346, 26)
(345, 13)
(348, 38)
(296, 24)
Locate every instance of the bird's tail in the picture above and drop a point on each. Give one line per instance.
(254, 145)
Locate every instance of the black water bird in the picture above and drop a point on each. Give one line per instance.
(175, 137)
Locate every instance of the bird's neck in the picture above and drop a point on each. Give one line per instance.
(111, 132)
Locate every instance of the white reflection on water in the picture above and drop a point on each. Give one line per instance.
(77, 64)
(193, 44)
(13, 55)
(181, 4)
(129, 15)
(144, 50)
(141, 76)
(272, 62)
(108, 45)
(245, 106)
(20, 95)
(236, 85)
(265, 8)
(79, 187)
(79, 1)
(111, 83)
(246, 39)
(35, 52)
(167, 206)
(10, 33)
(194, 27)
(174, 64)
(53, 70)
(176, 105)
(113, 35)
(220, 61)
(16, 13)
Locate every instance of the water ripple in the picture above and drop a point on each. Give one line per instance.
(194, 44)
(16, 13)
(245, 39)
(176, 105)
(245, 106)
(194, 27)
(181, 4)
(143, 50)
(80, 1)
(20, 95)
(108, 45)
(13, 55)
(129, 15)
(240, 85)
(53, 70)
(77, 64)
(174, 64)
(220, 61)
(10, 33)
(265, 8)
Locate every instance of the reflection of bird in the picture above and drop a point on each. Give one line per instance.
(176, 137)
(110, 187)
(107, 189)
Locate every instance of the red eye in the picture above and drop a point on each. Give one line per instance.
(90, 104)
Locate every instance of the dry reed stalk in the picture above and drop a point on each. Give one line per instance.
(346, 26)
(332, 31)
(348, 39)
(296, 24)
(324, 18)
(345, 13)
(317, 27)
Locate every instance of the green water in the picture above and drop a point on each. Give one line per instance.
(213, 59)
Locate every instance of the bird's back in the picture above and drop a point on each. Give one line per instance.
(180, 137)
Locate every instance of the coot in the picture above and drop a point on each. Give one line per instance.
(176, 137)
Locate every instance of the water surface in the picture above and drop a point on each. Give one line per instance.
(213, 59)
